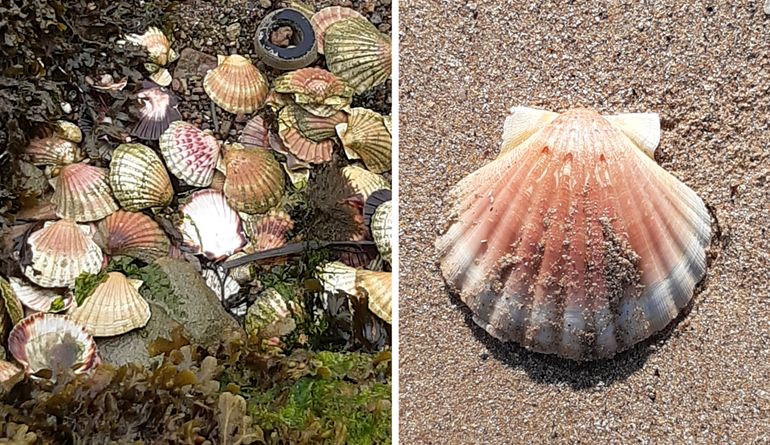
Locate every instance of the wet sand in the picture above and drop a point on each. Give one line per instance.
(705, 67)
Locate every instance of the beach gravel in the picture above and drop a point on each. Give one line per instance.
(705, 67)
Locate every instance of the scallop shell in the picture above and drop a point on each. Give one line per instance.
(324, 18)
(379, 289)
(157, 113)
(49, 341)
(358, 53)
(337, 277)
(316, 90)
(254, 179)
(190, 153)
(269, 316)
(210, 226)
(40, 299)
(267, 231)
(9, 373)
(236, 85)
(375, 200)
(218, 181)
(255, 134)
(297, 144)
(365, 136)
(11, 310)
(61, 251)
(382, 230)
(157, 45)
(82, 193)
(113, 308)
(276, 101)
(69, 131)
(138, 178)
(52, 150)
(162, 77)
(132, 234)
(316, 128)
(363, 181)
(574, 242)
(231, 289)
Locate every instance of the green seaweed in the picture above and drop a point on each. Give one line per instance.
(86, 283)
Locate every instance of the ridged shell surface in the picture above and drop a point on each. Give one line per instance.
(298, 144)
(316, 128)
(61, 251)
(382, 230)
(210, 226)
(52, 150)
(138, 178)
(366, 137)
(363, 181)
(40, 299)
(11, 309)
(358, 53)
(255, 134)
(318, 91)
(49, 341)
(379, 289)
(8, 372)
(132, 234)
(157, 113)
(82, 193)
(156, 43)
(267, 231)
(69, 131)
(236, 85)
(269, 316)
(191, 154)
(254, 180)
(113, 308)
(337, 277)
(573, 241)
(324, 18)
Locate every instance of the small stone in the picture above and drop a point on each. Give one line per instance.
(176, 85)
(66, 108)
(224, 128)
(265, 4)
(233, 31)
(376, 18)
(767, 7)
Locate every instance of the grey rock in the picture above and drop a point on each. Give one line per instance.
(193, 63)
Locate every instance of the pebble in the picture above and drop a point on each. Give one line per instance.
(66, 107)
(265, 4)
(767, 7)
(233, 31)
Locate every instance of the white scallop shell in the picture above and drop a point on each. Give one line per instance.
(61, 251)
(113, 308)
(210, 226)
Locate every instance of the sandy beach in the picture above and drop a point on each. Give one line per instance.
(704, 66)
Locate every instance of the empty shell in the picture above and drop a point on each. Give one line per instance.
(573, 241)
(337, 277)
(298, 144)
(379, 290)
(210, 226)
(316, 90)
(324, 18)
(82, 193)
(11, 309)
(138, 178)
(132, 234)
(270, 316)
(267, 231)
(363, 181)
(157, 113)
(382, 230)
(54, 342)
(190, 153)
(236, 85)
(254, 179)
(40, 299)
(316, 128)
(61, 251)
(52, 150)
(113, 308)
(358, 53)
(156, 44)
(365, 136)
(68, 131)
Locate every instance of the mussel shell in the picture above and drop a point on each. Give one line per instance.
(139, 179)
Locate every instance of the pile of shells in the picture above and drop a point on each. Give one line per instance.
(172, 189)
